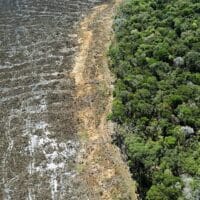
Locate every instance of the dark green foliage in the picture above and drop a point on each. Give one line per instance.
(156, 59)
(192, 60)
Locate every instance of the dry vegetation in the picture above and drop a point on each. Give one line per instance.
(100, 164)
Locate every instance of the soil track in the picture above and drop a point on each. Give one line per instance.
(100, 164)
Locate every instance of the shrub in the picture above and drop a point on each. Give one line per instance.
(193, 61)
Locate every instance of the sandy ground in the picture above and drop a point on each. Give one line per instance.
(99, 163)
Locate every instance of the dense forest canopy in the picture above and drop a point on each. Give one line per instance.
(156, 60)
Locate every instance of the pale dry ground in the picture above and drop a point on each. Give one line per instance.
(100, 164)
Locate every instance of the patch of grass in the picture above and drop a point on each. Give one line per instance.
(80, 168)
(83, 136)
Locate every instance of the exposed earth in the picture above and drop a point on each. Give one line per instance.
(100, 163)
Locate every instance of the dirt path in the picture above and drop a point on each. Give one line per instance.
(99, 164)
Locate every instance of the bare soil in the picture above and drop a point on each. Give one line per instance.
(99, 164)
